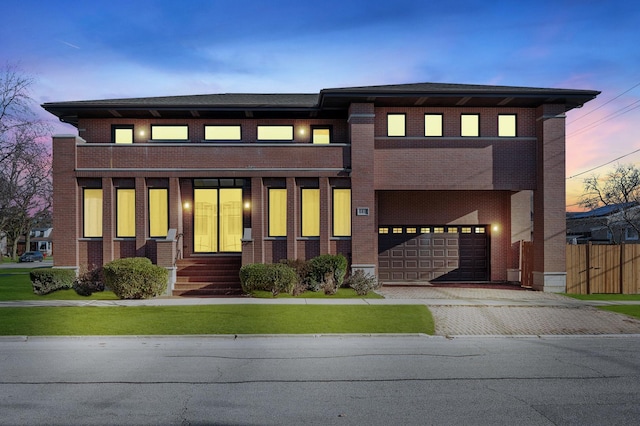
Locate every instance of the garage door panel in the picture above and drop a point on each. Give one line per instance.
(458, 253)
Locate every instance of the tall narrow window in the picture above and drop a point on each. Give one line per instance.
(320, 135)
(126, 212)
(433, 124)
(169, 133)
(275, 133)
(158, 212)
(341, 212)
(396, 125)
(222, 133)
(310, 212)
(122, 134)
(92, 212)
(470, 125)
(277, 212)
(507, 125)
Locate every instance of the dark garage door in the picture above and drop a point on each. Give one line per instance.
(433, 253)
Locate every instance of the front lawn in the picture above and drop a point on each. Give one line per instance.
(613, 297)
(632, 310)
(215, 319)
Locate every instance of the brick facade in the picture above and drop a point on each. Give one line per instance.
(496, 182)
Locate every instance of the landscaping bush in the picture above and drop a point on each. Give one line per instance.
(303, 270)
(45, 281)
(89, 281)
(362, 283)
(276, 278)
(327, 272)
(135, 278)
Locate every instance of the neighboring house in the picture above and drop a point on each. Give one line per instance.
(604, 225)
(411, 182)
(39, 240)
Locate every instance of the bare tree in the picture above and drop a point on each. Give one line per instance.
(620, 190)
(25, 161)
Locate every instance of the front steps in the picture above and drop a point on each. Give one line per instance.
(208, 276)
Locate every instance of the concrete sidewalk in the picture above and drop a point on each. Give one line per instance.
(456, 311)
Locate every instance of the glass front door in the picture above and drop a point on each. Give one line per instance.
(217, 222)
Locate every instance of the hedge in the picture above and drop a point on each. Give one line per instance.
(276, 278)
(45, 281)
(135, 278)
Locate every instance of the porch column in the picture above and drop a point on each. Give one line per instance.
(549, 226)
(67, 209)
(142, 220)
(364, 239)
(325, 215)
(293, 218)
(108, 220)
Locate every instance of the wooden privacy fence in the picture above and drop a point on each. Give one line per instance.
(603, 268)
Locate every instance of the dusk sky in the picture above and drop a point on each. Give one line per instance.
(79, 50)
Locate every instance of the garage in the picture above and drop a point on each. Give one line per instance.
(433, 253)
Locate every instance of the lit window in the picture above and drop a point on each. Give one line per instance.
(470, 125)
(425, 230)
(452, 230)
(126, 212)
(169, 133)
(277, 212)
(310, 212)
(222, 133)
(92, 212)
(465, 230)
(507, 125)
(275, 133)
(321, 136)
(122, 134)
(411, 230)
(438, 230)
(158, 212)
(383, 230)
(342, 212)
(397, 230)
(433, 124)
(395, 125)
(480, 230)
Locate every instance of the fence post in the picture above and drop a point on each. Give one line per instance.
(588, 267)
(622, 257)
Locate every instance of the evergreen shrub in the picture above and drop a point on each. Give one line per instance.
(135, 278)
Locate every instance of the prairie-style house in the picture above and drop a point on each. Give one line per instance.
(411, 182)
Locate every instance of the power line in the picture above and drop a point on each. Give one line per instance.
(609, 101)
(605, 164)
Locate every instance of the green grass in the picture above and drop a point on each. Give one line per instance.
(16, 285)
(632, 310)
(613, 297)
(215, 319)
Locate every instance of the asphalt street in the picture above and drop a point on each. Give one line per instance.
(320, 380)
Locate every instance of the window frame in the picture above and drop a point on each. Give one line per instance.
(271, 139)
(515, 125)
(84, 213)
(302, 212)
(334, 213)
(441, 124)
(118, 213)
(321, 127)
(238, 126)
(404, 124)
(462, 126)
(116, 127)
(270, 213)
(169, 125)
(166, 190)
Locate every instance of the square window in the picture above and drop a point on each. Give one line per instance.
(122, 134)
(222, 133)
(470, 125)
(320, 135)
(275, 133)
(396, 125)
(433, 124)
(507, 125)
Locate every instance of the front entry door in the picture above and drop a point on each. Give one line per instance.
(217, 222)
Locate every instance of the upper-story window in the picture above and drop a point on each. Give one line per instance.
(396, 125)
(169, 132)
(222, 133)
(470, 125)
(320, 135)
(275, 133)
(507, 125)
(433, 124)
(122, 133)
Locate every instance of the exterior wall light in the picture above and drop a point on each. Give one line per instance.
(495, 228)
(186, 205)
(247, 205)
